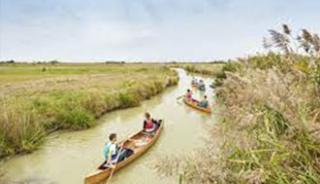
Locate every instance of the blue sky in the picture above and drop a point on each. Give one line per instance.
(145, 30)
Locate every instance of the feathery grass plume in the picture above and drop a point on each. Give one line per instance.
(266, 43)
(306, 40)
(316, 44)
(290, 45)
(286, 29)
(307, 36)
(305, 45)
(280, 41)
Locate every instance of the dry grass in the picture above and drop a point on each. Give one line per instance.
(271, 127)
(270, 132)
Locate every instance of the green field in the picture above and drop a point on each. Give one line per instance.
(10, 73)
(40, 98)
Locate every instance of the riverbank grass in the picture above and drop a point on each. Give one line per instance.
(69, 97)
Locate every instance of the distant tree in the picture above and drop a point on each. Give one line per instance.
(115, 62)
(217, 62)
(53, 62)
(10, 61)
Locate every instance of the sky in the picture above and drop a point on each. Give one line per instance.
(145, 30)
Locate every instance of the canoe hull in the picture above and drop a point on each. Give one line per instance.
(195, 106)
(101, 175)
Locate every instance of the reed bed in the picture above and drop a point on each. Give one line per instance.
(270, 132)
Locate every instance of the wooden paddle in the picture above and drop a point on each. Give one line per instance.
(117, 158)
(178, 98)
(114, 168)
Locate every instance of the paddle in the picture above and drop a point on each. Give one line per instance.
(117, 158)
(114, 168)
(178, 98)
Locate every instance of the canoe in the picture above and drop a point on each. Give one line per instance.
(202, 88)
(198, 87)
(139, 143)
(195, 85)
(194, 104)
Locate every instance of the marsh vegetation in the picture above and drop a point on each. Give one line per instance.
(37, 99)
(270, 132)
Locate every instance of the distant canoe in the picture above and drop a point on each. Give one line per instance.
(140, 143)
(194, 104)
(198, 86)
(202, 88)
(195, 85)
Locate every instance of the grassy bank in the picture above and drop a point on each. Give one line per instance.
(39, 99)
(270, 131)
(217, 70)
(212, 69)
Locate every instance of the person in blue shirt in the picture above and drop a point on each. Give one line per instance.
(114, 153)
(111, 149)
(204, 102)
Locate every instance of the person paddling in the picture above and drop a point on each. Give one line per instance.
(115, 153)
(111, 149)
(189, 95)
(204, 102)
(194, 82)
(149, 124)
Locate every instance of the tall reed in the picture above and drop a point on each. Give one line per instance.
(270, 132)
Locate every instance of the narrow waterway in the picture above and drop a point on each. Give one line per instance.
(67, 157)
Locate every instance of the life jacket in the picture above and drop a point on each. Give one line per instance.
(149, 124)
(189, 95)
